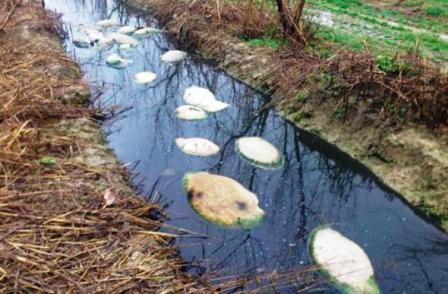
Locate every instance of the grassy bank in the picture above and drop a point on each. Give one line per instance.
(390, 113)
(412, 26)
(399, 26)
(69, 221)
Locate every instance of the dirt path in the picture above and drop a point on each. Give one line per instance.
(69, 220)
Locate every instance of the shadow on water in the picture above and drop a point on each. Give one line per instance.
(317, 185)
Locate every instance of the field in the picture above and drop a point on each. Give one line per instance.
(385, 28)
(411, 25)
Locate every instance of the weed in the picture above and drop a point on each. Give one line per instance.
(48, 161)
(303, 95)
(267, 42)
(391, 108)
(297, 116)
(272, 32)
(325, 53)
(436, 11)
(340, 111)
(341, 38)
(387, 63)
(352, 99)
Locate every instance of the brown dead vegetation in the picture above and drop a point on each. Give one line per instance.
(58, 233)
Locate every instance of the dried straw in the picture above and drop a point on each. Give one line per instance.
(56, 233)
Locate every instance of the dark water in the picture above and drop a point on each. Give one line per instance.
(318, 184)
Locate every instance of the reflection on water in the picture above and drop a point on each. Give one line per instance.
(317, 185)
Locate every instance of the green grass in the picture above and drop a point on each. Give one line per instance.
(267, 42)
(431, 16)
(48, 161)
(369, 27)
(303, 95)
(387, 63)
(339, 112)
(353, 41)
(382, 29)
(436, 11)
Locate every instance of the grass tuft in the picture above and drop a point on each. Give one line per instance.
(436, 11)
(267, 42)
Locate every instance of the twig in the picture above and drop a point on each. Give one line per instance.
(5, 21)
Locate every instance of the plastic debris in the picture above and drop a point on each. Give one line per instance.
(106, 23)
(123, 39)
(116, 61)
(203, 98)
(128, 30)
(343, 261)
(197, 146)
(190, 112)
(222, 200)
(144, 77)
(259, 152)
(173, 56)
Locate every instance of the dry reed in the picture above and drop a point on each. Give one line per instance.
(57, 234)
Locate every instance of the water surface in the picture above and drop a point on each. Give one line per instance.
(317, 185)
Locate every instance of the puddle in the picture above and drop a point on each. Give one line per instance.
(316, 185)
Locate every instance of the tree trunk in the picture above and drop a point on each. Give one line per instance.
(299, 11)
(284, 15)
(290, 19)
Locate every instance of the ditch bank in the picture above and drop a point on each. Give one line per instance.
(70, 220)
(408, 157)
